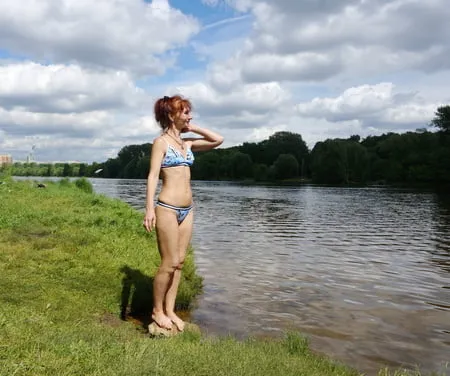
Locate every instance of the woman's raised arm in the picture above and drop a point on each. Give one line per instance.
(209, 140)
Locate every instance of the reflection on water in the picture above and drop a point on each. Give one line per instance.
(365, 272)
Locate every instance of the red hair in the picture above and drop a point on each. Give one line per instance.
(170, 107)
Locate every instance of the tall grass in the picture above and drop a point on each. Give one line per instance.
(73, 263)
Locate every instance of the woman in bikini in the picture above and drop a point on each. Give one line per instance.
(172, 213)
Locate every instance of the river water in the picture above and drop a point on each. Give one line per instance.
(363, 272)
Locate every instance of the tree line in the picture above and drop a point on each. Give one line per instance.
(413, 157)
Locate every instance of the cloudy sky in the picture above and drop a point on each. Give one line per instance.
(78, 78)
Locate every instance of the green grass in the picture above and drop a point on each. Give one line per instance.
(71, 263)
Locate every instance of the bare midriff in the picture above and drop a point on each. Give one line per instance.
(176, 186)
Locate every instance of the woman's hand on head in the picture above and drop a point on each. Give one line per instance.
(189, 128)
(149, 220)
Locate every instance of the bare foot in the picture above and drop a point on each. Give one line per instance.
(162, 320)
(177, 321)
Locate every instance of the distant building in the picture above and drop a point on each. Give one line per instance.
(5, 159)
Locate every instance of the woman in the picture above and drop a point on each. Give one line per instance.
(172, 214)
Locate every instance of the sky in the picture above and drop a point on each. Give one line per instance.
(78, 78)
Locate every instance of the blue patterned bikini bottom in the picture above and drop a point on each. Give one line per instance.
(181, 212)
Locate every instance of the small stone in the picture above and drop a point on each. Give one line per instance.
(156, 331)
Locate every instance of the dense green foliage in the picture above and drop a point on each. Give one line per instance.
(412, 157)
(53, 169)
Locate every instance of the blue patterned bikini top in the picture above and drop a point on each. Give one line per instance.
(174, 158)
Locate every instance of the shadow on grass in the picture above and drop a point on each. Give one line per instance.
(137, 296)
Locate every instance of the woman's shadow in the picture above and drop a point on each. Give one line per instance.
(137, 296)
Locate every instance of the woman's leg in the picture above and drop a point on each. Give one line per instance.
(185, 235)
(168, 245)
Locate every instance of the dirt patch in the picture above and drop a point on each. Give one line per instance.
(111, 320)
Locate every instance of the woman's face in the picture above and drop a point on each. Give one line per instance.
(183, 118)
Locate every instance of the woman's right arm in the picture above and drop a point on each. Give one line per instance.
(158, 151)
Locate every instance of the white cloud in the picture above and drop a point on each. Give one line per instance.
(49, 103)
(252, 99)
(118, 34)
(378, 106)
(263, 133)
(307, 66)
(18, 122)
(224, 76)
(65, 89)
(310, 40)
(139, 129)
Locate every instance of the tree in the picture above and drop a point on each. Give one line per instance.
(131, 153)
(83, 169)
(130, 170)
(206, 166)
(283, 143)
(241, 165)
(285, 167)
(355, 138)
(111, 169)
(329, 162)
(260, 172)
(442, 119)
(50, 171)
(357, 161)
(67, 170)
(142, 167)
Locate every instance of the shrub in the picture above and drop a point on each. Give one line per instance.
(84, 184)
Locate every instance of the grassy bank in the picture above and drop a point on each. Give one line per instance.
(72, 263)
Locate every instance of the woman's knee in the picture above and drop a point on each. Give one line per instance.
(180, 263)
(169, 266)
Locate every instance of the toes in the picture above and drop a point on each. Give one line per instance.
(179, 326)
(164, 322)
(178, 323)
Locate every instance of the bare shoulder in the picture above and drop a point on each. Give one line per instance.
(159, 141)
(159, 144)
